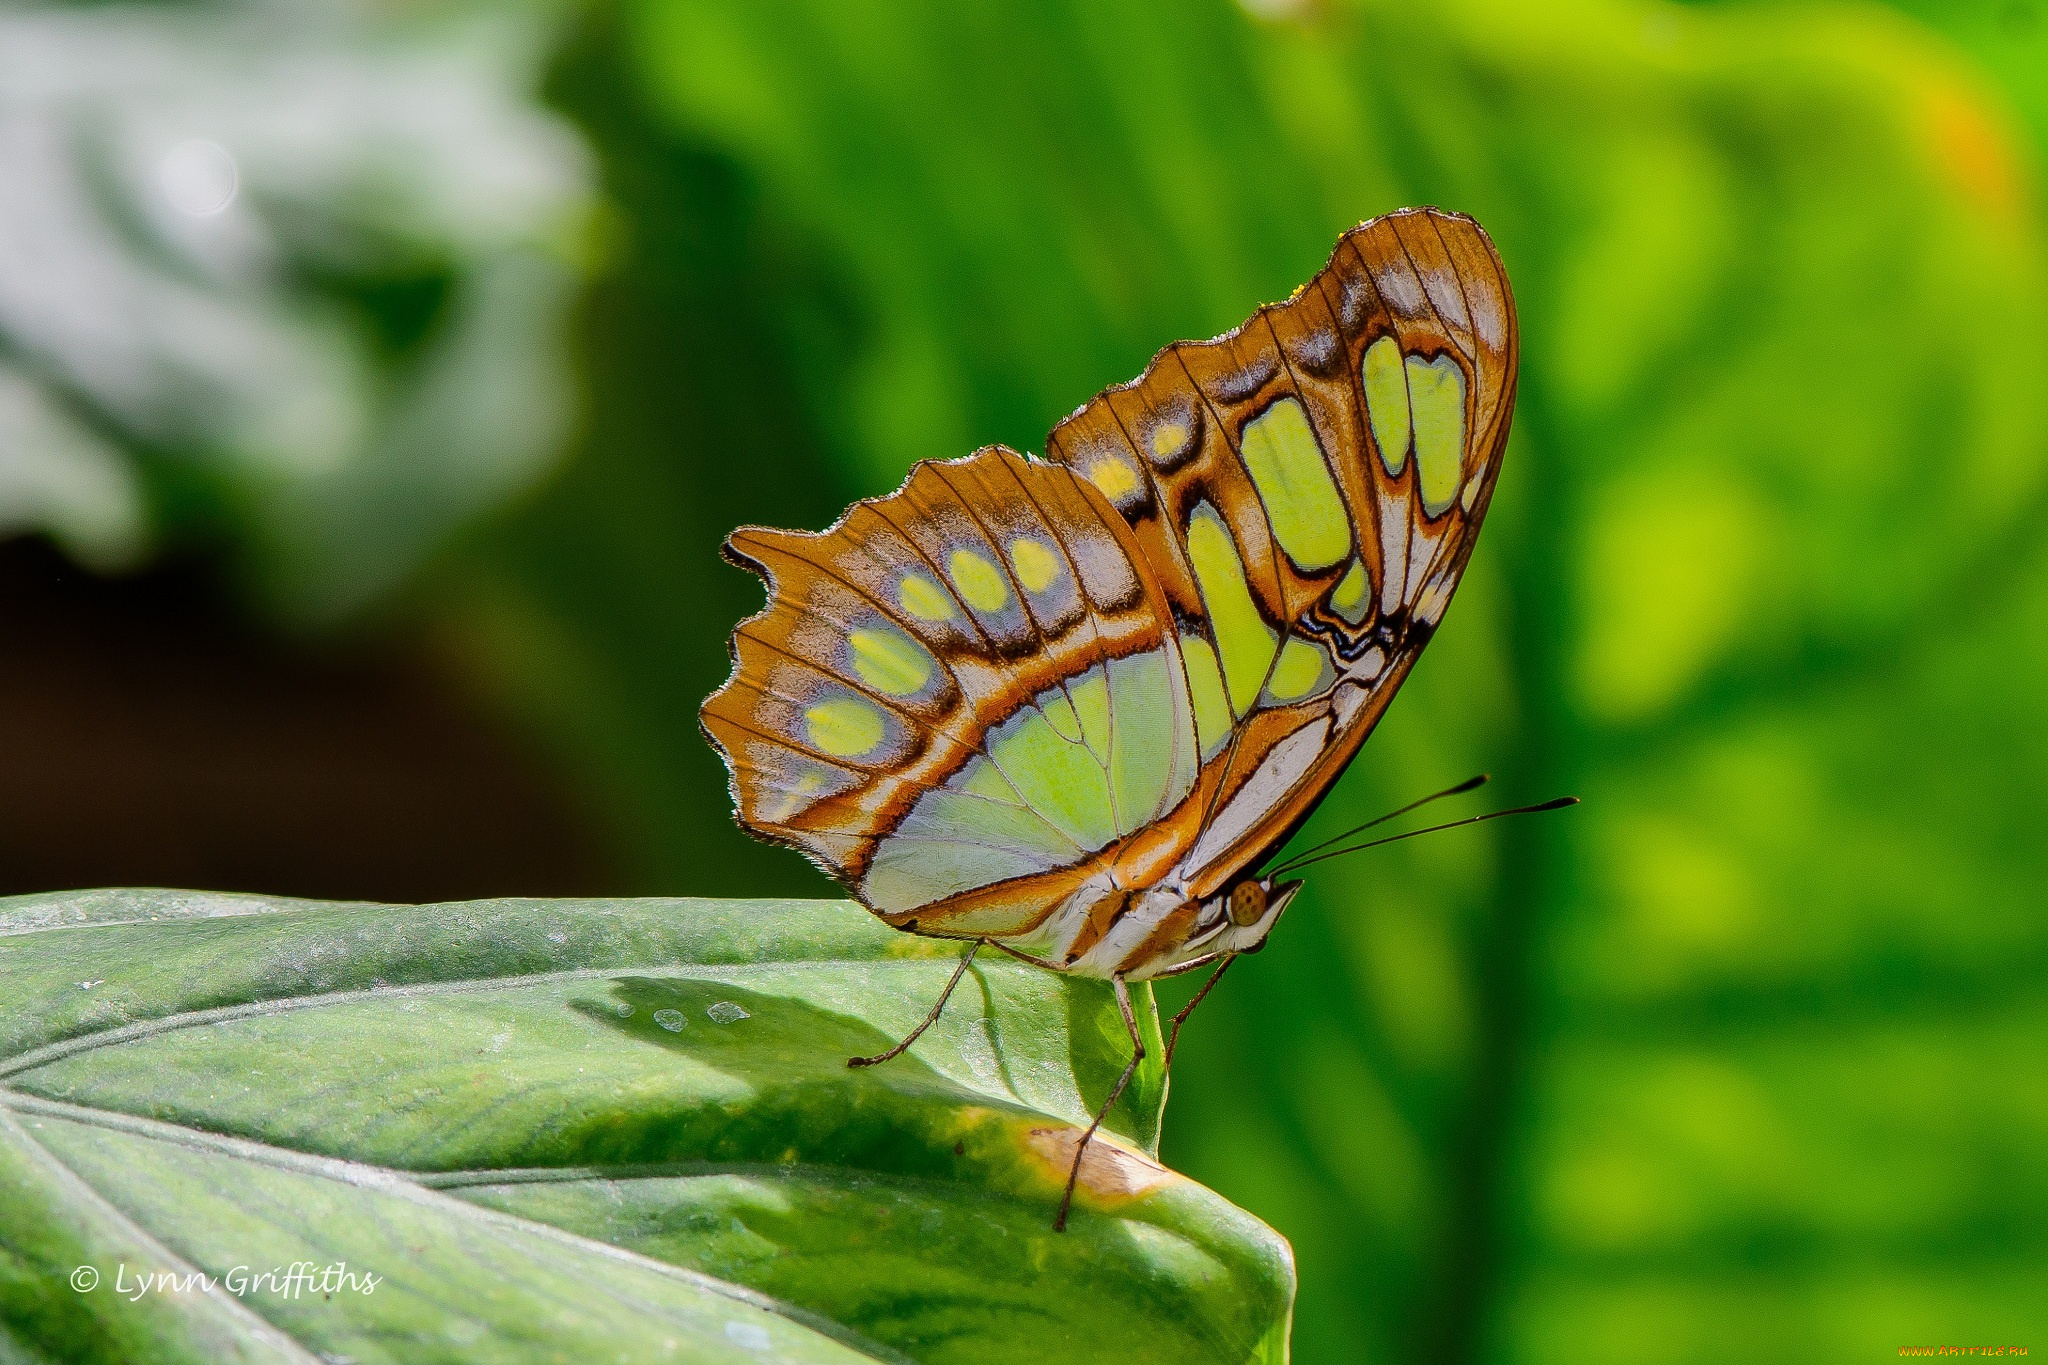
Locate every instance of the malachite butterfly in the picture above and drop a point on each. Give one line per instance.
(1070, 706)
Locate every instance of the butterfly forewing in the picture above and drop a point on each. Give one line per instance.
(1340, 451)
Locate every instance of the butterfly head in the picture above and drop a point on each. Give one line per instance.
(1253, 907)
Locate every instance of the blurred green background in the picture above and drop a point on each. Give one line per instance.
(377, 382)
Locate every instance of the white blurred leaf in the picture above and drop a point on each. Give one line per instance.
(176, 184)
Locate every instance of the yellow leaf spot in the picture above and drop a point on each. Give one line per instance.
(1111, 1174)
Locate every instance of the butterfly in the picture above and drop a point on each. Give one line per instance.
(1068, 707)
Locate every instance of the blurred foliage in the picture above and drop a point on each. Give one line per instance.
(283, 279)
(601, 609)
(1740, 1059)
(2009, 41)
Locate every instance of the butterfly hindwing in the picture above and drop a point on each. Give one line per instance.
(1308, 489)
(968, 684)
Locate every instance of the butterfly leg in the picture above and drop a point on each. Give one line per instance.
(1022, 956)
(1173, 1039)
(947, 994)
(1123, 1003)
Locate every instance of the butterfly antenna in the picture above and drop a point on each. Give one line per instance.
(1469, 784)
(1558, 803)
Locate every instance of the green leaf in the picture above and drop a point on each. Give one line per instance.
(583, 1130)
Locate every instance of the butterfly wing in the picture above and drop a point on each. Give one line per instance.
(959, 696)
(1307, 490)
(1016, 684)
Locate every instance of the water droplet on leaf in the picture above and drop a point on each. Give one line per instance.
(750, 1335)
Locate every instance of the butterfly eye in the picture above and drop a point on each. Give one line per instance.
(1247, 904)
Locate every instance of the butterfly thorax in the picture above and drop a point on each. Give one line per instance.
(1105, 931)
